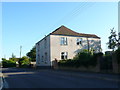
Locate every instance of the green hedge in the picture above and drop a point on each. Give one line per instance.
(24, 62)
(8, 63)
(84, 58)
(117, 52)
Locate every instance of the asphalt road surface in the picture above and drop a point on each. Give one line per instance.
(27, 78)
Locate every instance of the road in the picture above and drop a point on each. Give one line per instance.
(1, 83)
(27, 78)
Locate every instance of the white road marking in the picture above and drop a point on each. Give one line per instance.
(5, 84)
(1, 80)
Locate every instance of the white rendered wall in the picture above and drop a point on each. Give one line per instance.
(42, 48)
(72, 48)
(54, 49)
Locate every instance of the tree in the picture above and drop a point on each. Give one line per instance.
(114, 40)
(32, 54)
(24, 61)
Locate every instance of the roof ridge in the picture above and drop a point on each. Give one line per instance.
(56, 29)
(63, 30)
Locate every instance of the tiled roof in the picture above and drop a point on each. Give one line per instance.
(66, 31)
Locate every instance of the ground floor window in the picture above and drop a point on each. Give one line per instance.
(64, 55)
(79, 41)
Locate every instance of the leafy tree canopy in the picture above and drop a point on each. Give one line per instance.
(114, 40)
(24, 61)
(32, 54)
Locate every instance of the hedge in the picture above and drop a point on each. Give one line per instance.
(85, 59)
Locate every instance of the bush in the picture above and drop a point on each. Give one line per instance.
(93, 59)
(65, 63)
(8, 63)
(107, 63)
(117, 52)
(24, 61)
(83, 58)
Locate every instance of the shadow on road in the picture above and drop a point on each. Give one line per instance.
(29, 78)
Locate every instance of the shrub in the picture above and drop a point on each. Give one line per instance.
(84, 58)
(8, 63)
(61, 62)
(99, 54)
(107, 63)
(68, 63)
(93, 60)
(117, 52)
(24, 61)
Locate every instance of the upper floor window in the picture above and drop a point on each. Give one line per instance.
(79, 41)
(63, 40)
(64, 55)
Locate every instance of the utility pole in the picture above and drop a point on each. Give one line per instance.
(20, 50)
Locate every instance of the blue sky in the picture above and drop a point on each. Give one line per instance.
(25, 23)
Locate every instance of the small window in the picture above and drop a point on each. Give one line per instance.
(63, 41)
(64, 55)
(79, 41)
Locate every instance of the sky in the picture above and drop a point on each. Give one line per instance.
(25, 23)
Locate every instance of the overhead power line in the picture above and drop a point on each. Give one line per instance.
(78, 10)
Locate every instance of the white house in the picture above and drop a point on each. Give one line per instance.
(64, 43)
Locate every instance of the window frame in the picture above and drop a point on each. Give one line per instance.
(63, 41)
(79, 41)
(64, 55)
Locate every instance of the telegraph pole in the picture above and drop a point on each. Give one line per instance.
(20, 50)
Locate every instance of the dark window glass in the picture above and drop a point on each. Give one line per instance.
(64, 55)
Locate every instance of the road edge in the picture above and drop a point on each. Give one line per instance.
(5, 84)
(1, 82)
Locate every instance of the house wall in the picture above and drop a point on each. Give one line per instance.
(72, 48)
(43, 52)
(51, 45)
